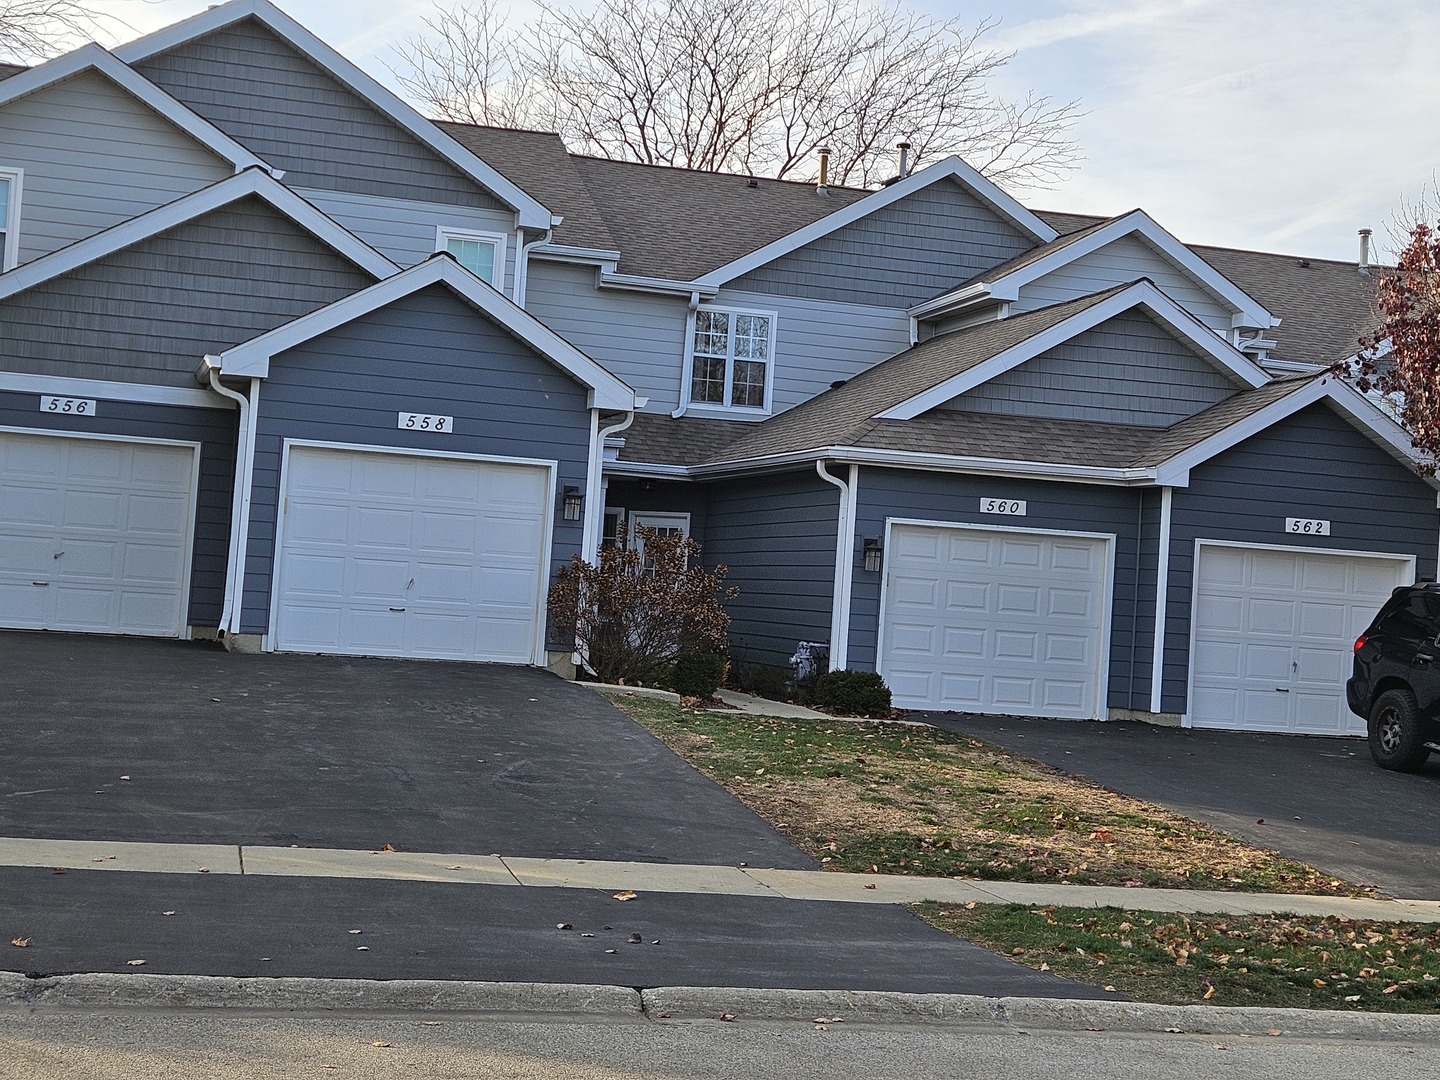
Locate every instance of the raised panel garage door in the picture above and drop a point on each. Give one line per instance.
(1274, 634)
(386, 554)
(991, 621)
(95, 534)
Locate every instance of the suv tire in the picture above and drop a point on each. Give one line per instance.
(1396, 737)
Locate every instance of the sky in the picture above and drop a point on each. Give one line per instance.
(1277, 125)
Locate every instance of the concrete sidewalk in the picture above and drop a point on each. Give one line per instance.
(296, 862)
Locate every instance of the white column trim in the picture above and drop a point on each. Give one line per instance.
(1162, 589)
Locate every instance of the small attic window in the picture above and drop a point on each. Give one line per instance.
(10, 223)
(483, 254)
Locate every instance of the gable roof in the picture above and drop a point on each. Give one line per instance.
(531, 214)
(952, 168)
(253, 357)
(26, 81)
(1005, 281)
(253, 181)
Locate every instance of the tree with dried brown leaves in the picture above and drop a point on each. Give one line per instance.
(1401, 358)
(635, 611)
(748, 86)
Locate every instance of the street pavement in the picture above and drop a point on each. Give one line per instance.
(1319, 800)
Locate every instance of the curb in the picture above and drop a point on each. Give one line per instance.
(294, 994)
(103, 991)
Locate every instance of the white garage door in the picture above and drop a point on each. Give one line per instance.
(395, 555)
(94, 534)
(1274, 634)
(995, 621)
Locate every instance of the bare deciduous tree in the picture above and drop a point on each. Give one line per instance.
(38, 29)
(742, 85)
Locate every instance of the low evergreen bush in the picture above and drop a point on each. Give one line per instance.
(853, 693)
(698, 674)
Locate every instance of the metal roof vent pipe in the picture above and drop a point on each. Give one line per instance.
(1365, 235)
(904, 148)
(822, 185)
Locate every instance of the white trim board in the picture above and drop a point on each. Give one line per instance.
(254, 182)
(552, 468)
(1142, 294)
(92, 57)
(1187, 719)
(60, 386)
(951, 168)
(1162, 599)
(182, 617)
(1245, 309)
(530, 213)
(1102, 692)
(252, 358)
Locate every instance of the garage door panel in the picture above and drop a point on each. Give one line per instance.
(1015, 634)
(1273, 635)
(419, 535)
(103, 525)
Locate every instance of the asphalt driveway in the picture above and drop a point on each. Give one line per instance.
(1318, 800)
(163, 741)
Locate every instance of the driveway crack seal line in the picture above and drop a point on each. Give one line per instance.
(763, 884)
(240, 854)
(509, 871)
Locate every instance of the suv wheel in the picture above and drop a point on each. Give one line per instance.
(1396, 740)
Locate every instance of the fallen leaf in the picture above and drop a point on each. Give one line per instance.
(1274, 1031)
(125, 777)
(655, 942)
(1391, 988)
(362, 948)
(454, 868)
(1111, 989)
(587, 935)
(634, 939)
(608, 951)
(626, 894)
(829, 1019)
(1317, 983)
(135, 963)
(1173, 1031)
(429, 1023)
(871, 886)
(355, 931)
(57, 869)
(1352, 997)
(1209, 992)
(167, 913)
(381, 1043)
(327, 1066)
(1044, 966)
(1259, 821)
(727, 1016)
(970, 906)
(387, 847)
(265, 959)
(1218, 1046)
(204, 870)
(20, 942)
(563, 926)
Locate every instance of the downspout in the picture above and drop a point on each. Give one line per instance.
(594, 493)
(240, 496)
(522, 262)
(844, 565)
(1162, 586)
(686, 352)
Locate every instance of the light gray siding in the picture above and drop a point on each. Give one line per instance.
(777, 536)
(1311, 465)
(405, 231)
(818, 342)
(298, 117)
(638, 337)
(1122, 260)
(1127, 370)
(909, 251)
(213, 429)
(93, 156)
(428, 353)
(1089, 508)
(150, 312)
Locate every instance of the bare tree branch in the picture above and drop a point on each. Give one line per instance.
(743, 85)
(32, 30)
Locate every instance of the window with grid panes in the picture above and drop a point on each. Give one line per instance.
(731, 364)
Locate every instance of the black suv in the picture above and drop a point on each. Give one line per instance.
(1396, 684)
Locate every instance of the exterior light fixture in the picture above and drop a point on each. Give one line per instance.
(871, 551)
(574, 503)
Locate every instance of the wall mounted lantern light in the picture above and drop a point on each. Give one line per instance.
(871, 551)
(574, 503)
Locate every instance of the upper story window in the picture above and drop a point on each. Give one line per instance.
(731, 357)
(483, 254)
(10, 217)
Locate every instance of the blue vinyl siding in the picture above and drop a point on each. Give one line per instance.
(283, 106)
(428, 353)
(661, 497)
(915, 248)
(1311, 465)
(150, 312)
(894, 493)
(214, 429)
(1127, 370)
(777, 536)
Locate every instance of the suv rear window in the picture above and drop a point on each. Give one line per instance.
(1418, 615)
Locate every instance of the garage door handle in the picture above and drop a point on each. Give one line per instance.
(1282, 689)
(397, 609)
(42, 584)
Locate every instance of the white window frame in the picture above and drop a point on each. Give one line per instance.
(11, 252)
(444, 234)
(690, 405)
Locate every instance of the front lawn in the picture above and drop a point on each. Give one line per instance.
(1262, 960)
(897, 799)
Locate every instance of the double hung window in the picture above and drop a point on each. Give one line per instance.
(731, 357)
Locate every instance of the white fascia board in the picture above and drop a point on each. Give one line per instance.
(571, 253)
(1247, 310)
(530, 214)
(250, 182)
(978, 292)
(108, 390)
(642, 469)
(952, 168)
(252, 358)
(669, 286)
(92, 57)
(1383, 430)
(903, 459)
(1140, 294)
